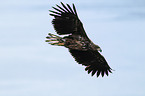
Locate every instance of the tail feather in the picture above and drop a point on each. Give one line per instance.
(54, 40)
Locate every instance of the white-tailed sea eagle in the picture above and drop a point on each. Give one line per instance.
(84, 51)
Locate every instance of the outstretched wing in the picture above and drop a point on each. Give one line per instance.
(93, 61)
(66, 20)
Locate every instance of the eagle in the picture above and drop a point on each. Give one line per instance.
(72, 35)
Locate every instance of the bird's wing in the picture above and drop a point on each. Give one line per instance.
(66, 20)
(95, 63)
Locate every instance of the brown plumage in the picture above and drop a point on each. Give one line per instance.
(84, 51)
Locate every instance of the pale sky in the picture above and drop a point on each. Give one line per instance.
(31, 67)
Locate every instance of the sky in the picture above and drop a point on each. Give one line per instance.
(31, 67)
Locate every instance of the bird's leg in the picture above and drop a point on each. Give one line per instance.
(54, 40)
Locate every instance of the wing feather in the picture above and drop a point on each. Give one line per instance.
(66, 20)
(98, 73)
(93, 72)
(70, 8)
(93, 61)
(57, 9)
(75, 10)
(65, 7)
(53, 15)
(61, 8)
(55, 12)
(106, 72)
(102, 73)
(91, 69)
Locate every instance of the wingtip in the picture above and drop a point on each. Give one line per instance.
(106, 72)
(93, 72)
(102, 73)
(98, 73)
(61, 3)
(74, 8)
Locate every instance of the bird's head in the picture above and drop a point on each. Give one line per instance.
(98, 48)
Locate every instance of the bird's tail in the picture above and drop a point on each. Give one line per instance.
(54, 40)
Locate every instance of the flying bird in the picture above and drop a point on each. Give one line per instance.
(67, 24)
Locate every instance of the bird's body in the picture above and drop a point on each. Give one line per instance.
(84, 51)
